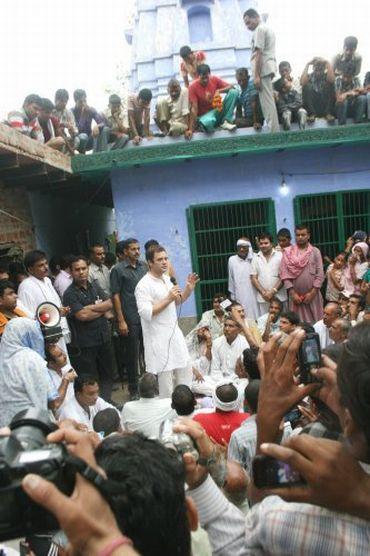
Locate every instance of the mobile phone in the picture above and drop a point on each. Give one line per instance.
(309, 357)
(269, 472)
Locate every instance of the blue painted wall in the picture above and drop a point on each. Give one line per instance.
(151, 201)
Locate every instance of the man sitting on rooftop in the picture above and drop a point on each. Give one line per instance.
(138, 107)
(248, 109)
(289, 105)
(285, 71)
(349, 56)
(67, 122)
(25, 120)
(190, 62)
(207, 108)
(172, 115)
(318, 90)
(350, 101)
(115, 131)
(50, 127)
(84, 116)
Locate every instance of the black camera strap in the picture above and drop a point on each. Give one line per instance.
(106, 487)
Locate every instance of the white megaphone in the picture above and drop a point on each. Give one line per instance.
(48, 316)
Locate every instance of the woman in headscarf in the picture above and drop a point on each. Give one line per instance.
(23, 376)
(356, 269)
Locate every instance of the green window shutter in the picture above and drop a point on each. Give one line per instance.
(333, 217)
(213, 232)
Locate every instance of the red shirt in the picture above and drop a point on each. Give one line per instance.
(202, 96)
(221, 424)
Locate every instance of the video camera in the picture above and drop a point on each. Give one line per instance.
(27, 451)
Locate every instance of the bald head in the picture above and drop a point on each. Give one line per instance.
(339, 330)
(332, 311)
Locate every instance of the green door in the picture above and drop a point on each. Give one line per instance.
(213, 231)
(333, 217)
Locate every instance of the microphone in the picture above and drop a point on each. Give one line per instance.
(174, 283)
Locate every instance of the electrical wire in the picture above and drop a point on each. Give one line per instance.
(172, 335)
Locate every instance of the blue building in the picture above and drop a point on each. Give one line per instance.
(161, 27)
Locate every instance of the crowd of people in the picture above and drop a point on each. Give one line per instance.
(204, 102)
(231, 385)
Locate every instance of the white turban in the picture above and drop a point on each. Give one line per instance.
(243, 243)
(234, 405)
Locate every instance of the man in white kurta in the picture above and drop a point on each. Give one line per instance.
(165, 350)
(37, 288)
(331, 313)
(240, 286)
(265, 275)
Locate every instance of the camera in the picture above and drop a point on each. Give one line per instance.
(178, 442)
(309, 357)
(27, 451)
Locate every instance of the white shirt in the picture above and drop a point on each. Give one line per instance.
(73, 410)
(240, 286)
(32, 292)
(224, 356)
(323, 332)
(267, 273)
(62, 282)
(56, 380)
(164, 344)
(146, 414)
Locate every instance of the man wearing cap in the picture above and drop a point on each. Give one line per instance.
(114, 132)
(240, 286)
(226, 418)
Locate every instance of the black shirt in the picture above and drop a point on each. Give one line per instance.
(123, 280)
(86, 333)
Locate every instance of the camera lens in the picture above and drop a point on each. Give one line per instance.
(31, 428)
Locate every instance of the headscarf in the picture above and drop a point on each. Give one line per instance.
(294, 261)
(23, 376)
(363, 246)
(226, 406)
(245, 243)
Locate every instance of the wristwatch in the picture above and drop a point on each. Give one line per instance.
(206, 462)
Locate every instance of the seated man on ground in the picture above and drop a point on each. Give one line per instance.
(84, 116)
(249, 327)
(220, 424)
(146, 414)
(8, 305)
(289, 320)
(356, 306)
(318, 90)
(339, 330)
(25, 120)
(248, 108)
(332, 311)
(226, 350)
(138, 106)
(85, 404)
(199, 343)
(172, 112)
(269, 323)
(50, 127)
(204, 95)
(61, 376)
(183, 401)
(67, 122)
(190, 62)
(107, 421)
(348, 57)
(115, 131)
(214, 318)
(290, 106)
(350, 102)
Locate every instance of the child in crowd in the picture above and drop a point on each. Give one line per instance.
(335, 277)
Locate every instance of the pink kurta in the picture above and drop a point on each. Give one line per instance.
(312, 276)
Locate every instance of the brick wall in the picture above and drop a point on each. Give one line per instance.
(15, 201)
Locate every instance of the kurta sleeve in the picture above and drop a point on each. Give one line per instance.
(319, 274)
(283, 271)
(27, 299)
(231, 285)
(216, 365)
(144, 302)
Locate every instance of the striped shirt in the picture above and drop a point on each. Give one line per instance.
(18, 119)
(277, 527)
